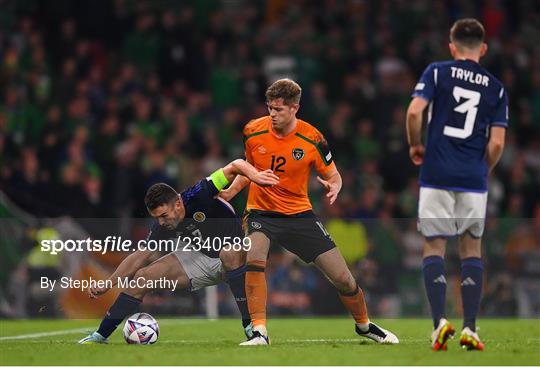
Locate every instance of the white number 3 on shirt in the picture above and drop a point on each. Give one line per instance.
(469, 107)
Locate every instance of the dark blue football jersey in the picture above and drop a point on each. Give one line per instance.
(465, 101)
(207, 218)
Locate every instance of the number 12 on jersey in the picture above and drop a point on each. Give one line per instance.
(468, 107)
(277, 162)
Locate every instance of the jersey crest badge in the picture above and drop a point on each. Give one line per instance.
(262, 150)
(199, 216)
(298, 153)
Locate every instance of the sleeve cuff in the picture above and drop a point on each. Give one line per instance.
(421, 95)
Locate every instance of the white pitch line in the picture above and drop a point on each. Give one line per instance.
(45, 334)
(86, 329)
(349, 340)
(295, 341)
(321, 340)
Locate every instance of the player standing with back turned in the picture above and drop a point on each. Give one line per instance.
(283, 214)
(467, 120)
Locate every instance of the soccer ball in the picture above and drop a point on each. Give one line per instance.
(141, 328)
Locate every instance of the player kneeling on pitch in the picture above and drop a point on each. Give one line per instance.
(196, 215)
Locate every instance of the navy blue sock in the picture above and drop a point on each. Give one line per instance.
(435, 282)
(124, 306)
(471, 290)
(237, 282)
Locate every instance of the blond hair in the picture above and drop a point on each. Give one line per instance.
(287, 89)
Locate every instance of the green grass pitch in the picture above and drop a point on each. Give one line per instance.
(315, 341)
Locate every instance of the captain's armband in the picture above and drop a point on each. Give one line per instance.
(219, 179)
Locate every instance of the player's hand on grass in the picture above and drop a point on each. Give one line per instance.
(332, 189)
(94, 292)
(417, 154)
(265, 178)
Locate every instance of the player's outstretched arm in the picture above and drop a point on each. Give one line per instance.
(414, 129)
(126, 268)
(495, 146)
(238, 184)
(241, 172)
(332, 182)
(241, 167)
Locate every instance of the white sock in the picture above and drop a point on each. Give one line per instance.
(364, 327)
(261, 329)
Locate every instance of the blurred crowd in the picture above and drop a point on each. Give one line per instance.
(100, 99)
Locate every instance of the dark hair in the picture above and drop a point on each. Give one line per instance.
(158, 195)
(287, 89)
(467, 32)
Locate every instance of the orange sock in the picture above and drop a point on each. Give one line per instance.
(356, 305)
(256, 291)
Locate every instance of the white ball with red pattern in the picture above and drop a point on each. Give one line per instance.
(141, 328)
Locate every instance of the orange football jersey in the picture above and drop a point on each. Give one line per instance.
(291, 158)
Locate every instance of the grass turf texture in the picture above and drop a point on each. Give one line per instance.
(316, 341)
